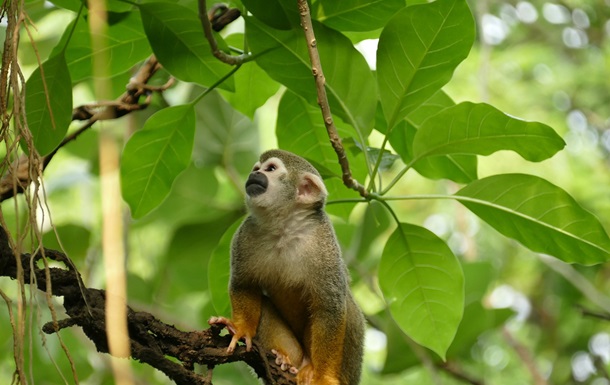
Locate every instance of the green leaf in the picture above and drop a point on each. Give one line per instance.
(253, 88)
(423, 284)
(219, 271)
(350, 85)
(48, 102)
(300, 129)
(176, 37)
(224, 136)
(154, 156)
(470, 128)
(126, 46)
(418, 51)
(280, 14)
(357, 15)
(189, 199)
(540, 215)
(456, 167)
(183, 268)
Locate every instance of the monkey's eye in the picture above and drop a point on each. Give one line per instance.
(270, 168)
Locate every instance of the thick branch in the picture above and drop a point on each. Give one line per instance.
(152, 340)
(318, 74)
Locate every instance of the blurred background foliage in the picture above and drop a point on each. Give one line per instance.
(539, 60)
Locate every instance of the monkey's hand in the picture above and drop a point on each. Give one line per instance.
(235, 331)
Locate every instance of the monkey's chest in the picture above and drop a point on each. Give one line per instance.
(285, 263)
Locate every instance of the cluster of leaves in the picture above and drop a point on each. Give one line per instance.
(420, 46)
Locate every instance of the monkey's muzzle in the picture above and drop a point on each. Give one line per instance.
(256, 184)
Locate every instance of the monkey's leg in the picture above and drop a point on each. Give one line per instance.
(324, 339)
(274, 334)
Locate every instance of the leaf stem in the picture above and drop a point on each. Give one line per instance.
(80, 11)
(216, 84)
(397, 178)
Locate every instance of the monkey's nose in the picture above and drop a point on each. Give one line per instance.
(256, 184)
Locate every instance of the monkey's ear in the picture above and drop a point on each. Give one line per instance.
(310, 189)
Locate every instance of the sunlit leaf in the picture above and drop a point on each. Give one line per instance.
(253, 88)
(176, 37)
(48, 102)
(350, 85)
(154, 156)
(540, 215)
(470, 128)
(125, 41)
(423, 284)
(460, 168)
(418, 51)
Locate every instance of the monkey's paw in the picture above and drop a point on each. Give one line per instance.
(234, 331)
(284, 361)
(224, 322)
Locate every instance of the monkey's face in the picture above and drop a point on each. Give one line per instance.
(266, 184)
(275, 184)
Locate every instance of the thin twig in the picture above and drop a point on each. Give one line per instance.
(526, 357)
(318, 74)
(204, 16)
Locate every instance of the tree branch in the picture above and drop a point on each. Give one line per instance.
(219, 16)
(152, 340)
(18, 177)
(318, 74)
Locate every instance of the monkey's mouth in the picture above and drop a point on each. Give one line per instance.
(256, 185)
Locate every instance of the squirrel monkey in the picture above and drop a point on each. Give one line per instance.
(289, 287)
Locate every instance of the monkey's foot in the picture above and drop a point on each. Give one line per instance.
(224, 322)
(284, 361)
(236, 332)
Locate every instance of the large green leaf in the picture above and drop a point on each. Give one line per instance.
(540, 215)
(470, 128)
(126, 45)
(48, 102)
(176, 37)
(423, 284)
(224, 136)
(418, 51)
(357, 15)
(350, 85)
(154, 156)
(460, 168)
(253, 88)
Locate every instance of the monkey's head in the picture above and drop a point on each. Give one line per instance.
(283, 180)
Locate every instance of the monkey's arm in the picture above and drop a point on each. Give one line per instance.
(246, 305)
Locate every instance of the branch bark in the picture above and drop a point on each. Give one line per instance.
(152, 340)
(318, 74)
